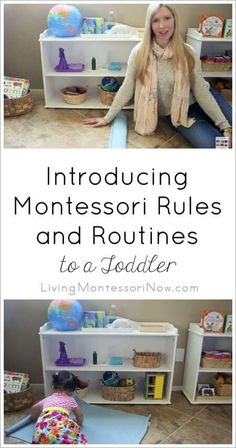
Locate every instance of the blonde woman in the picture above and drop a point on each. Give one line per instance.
(165, 76)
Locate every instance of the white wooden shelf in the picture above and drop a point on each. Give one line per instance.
(198, 341)
(81, 49)
(213, 400)
(94, 396)
(209, 45)
(126, 367)
(108, 343)
(46, 36)
(49, 330)
(223, 74)
(92, 102)
(99, 73)
(214, 370)
(194, 33)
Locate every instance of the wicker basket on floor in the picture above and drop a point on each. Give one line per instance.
(18, 106)
(18, 400)
(147, 359)
(118, 393)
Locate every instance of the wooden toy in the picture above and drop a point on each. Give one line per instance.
(154, 386)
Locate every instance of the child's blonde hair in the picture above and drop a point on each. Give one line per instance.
(181, 53)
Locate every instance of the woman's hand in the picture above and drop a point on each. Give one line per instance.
(228, 133)
(95, 122)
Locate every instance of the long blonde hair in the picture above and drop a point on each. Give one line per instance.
(181, 53)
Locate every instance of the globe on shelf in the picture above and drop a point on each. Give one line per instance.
(64, 21)
(65, 315)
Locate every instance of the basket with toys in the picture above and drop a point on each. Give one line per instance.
(223, 384)
(114, 388)
(17, 391)
(147, 359)
(82, 388)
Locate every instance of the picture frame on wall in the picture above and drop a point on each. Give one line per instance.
(228, 324)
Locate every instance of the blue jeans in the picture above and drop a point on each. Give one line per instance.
(203, 132)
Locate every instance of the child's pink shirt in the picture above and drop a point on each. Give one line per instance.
(58, 399)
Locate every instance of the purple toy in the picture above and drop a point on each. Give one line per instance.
(64, 67)
(63, 360)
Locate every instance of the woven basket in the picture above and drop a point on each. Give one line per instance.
(118, 393)
(223, 389)
(210, 66)
(146, 359)
(18, 400)
(72, 98)
(108, 98)
(81, 393)
(18, 106)
(211, 362)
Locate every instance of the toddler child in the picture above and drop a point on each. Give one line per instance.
(55, 424)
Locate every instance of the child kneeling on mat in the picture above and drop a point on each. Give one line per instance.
(55, 424)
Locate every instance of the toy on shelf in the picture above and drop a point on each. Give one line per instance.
(212, 321)
(64, 20)
(63, 359)
(63, 66)
(154, 386)
(94, 319)
(116, 360)
(211, 26)
(114, 66)
(228, 324)
(65, 315)
(228, 28)
(110, 378)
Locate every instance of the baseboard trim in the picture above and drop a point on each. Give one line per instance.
(177, 388)
(37, 91)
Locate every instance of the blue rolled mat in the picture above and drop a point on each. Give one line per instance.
(101, 426)
(19, 425)
(118, 134)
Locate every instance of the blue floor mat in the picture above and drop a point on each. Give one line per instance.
(101, 426)
(118, 135)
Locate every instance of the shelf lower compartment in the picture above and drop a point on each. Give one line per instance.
(92, 101)
(213, 400)
(217, 399)
(94, 396)
(223, 74)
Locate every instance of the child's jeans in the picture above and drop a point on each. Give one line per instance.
(203, 132)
